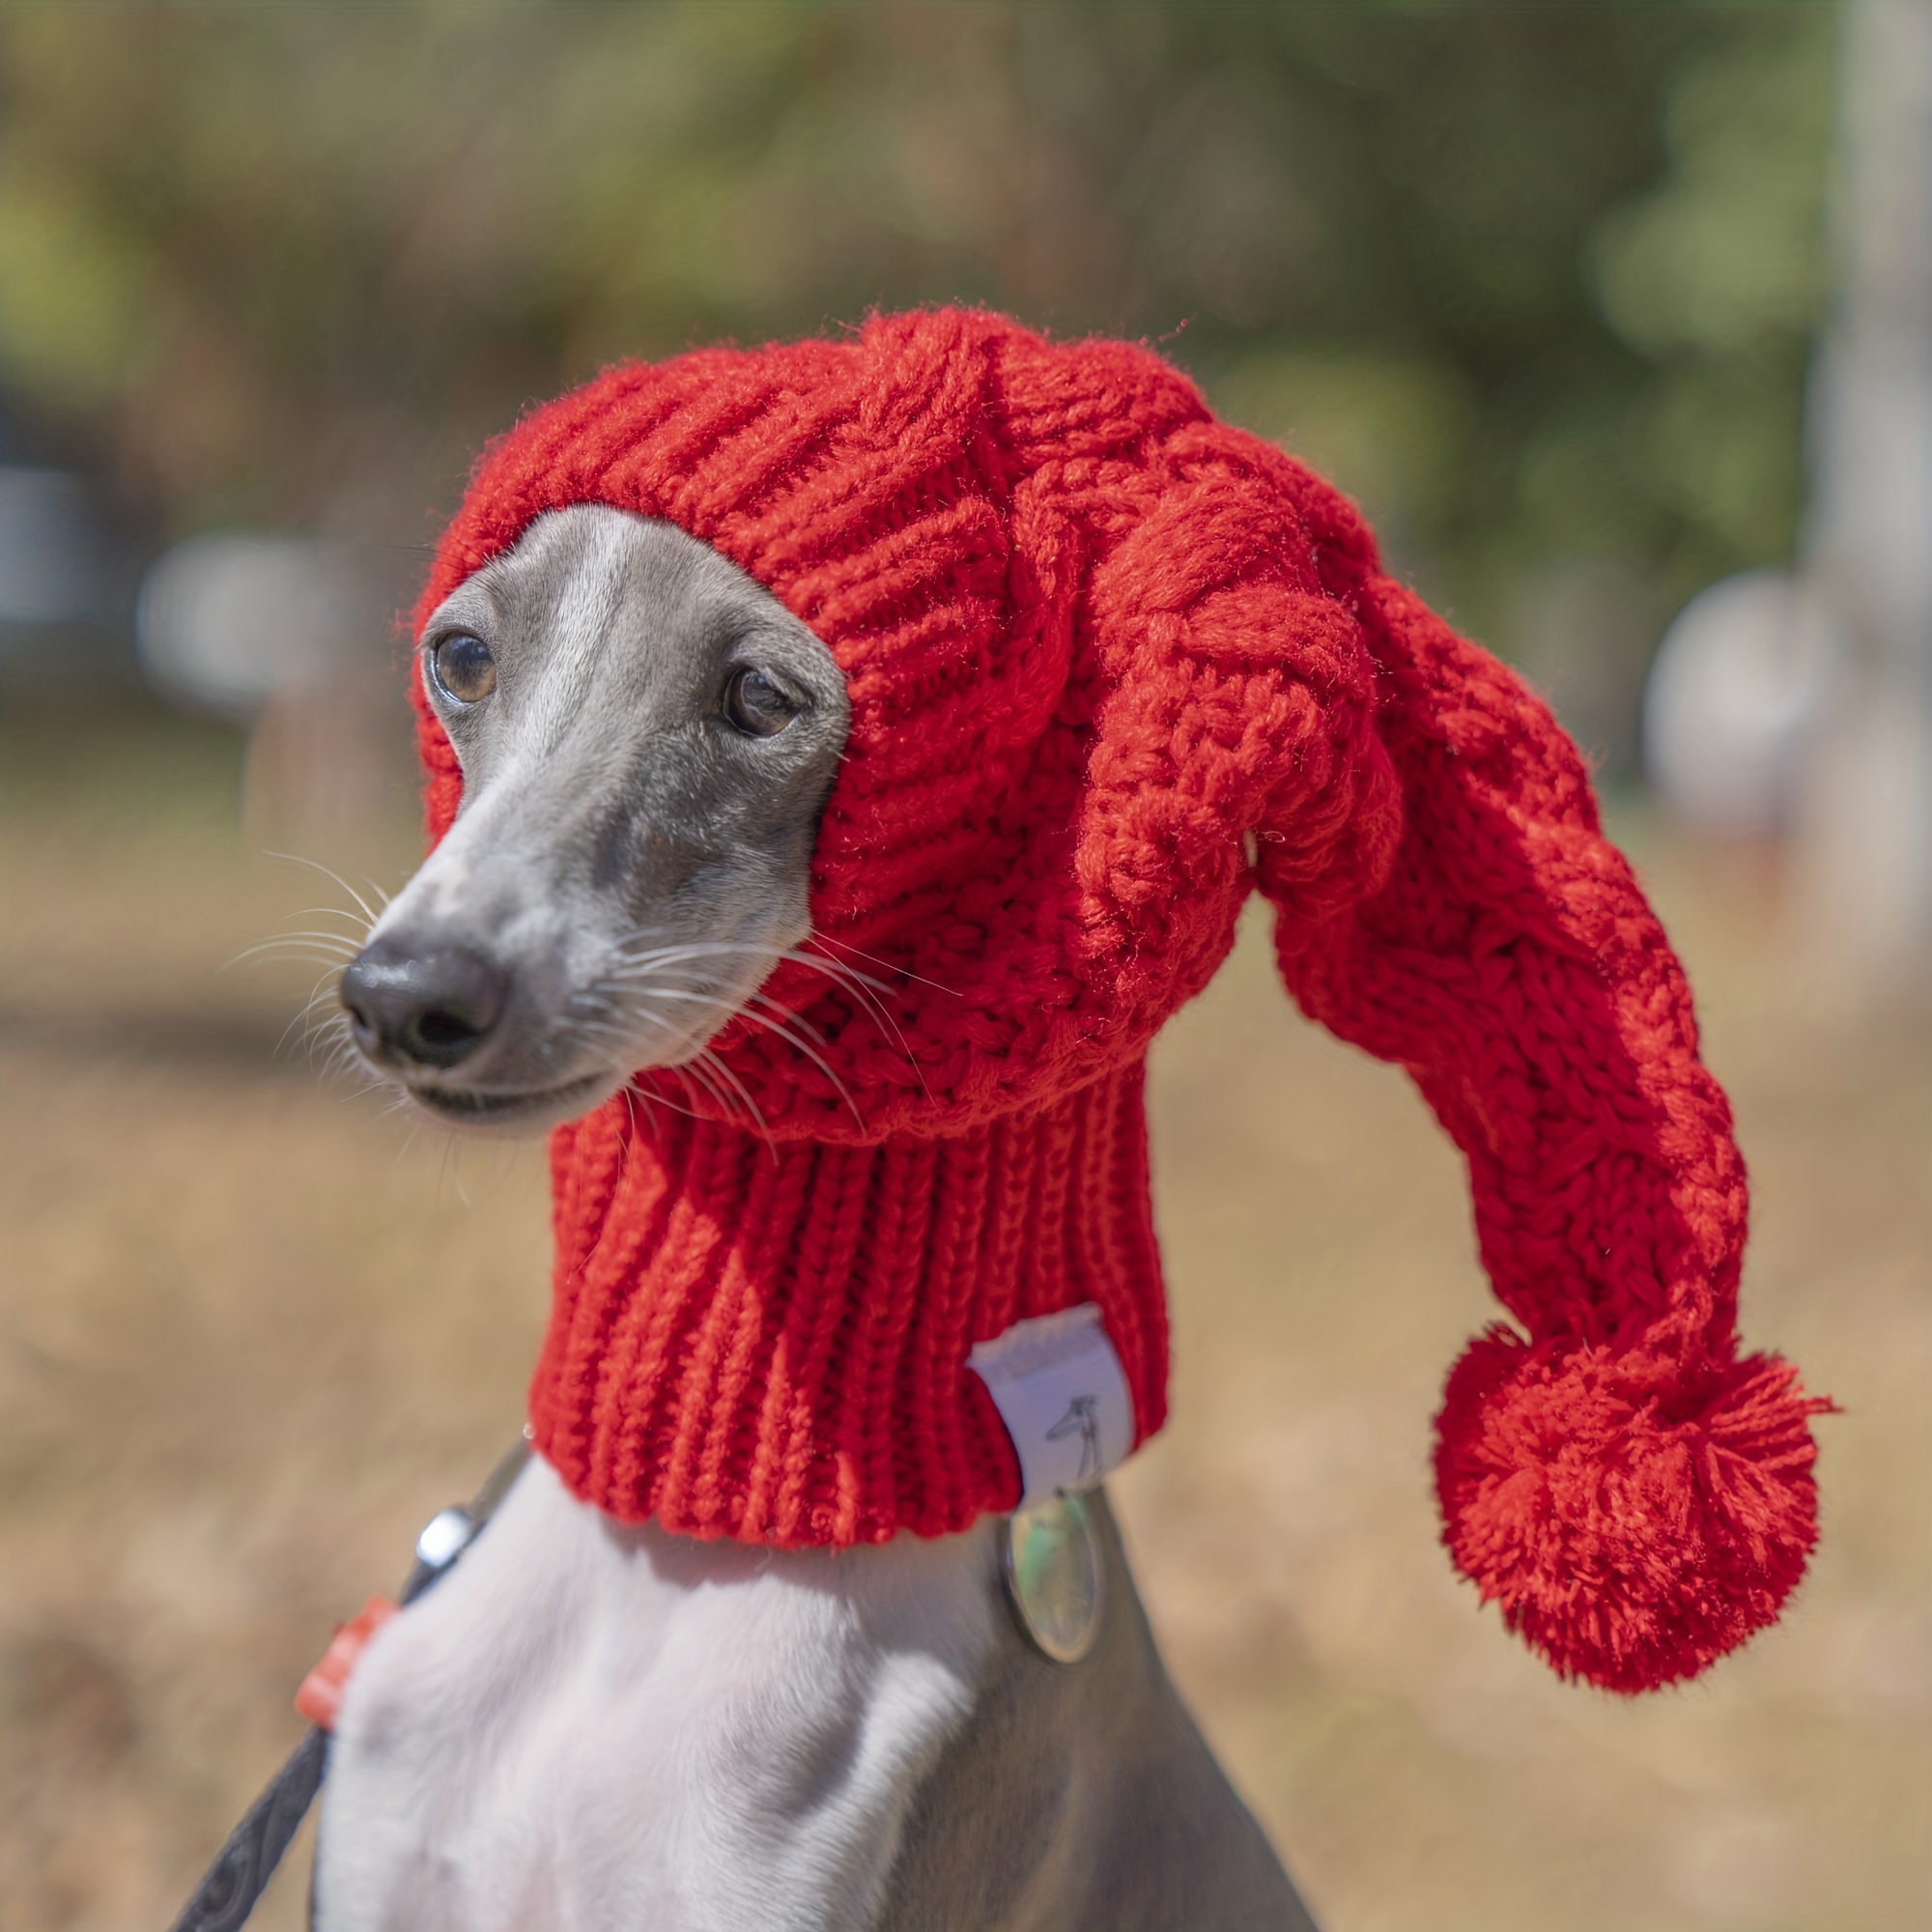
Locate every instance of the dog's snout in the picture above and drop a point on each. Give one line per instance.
(425, 1008)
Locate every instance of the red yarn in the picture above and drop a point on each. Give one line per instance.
(771, 1348)
(1097, 644)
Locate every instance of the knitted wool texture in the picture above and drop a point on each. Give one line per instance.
(1113, 666)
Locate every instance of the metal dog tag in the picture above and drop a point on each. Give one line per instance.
(1056, 1575)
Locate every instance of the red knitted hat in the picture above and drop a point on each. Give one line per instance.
(1113, 666)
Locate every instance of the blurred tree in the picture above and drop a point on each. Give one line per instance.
(1537, 284)
(1717, 278)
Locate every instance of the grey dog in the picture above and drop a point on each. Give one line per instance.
(608, 1727)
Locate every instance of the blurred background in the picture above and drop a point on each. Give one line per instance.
(1618, 321)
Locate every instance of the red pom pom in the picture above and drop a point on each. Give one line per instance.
(1636, 1520)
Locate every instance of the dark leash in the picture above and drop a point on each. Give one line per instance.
(237, 1879)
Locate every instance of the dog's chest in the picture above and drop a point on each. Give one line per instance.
(588, 1727)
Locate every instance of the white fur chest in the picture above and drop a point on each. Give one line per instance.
(589, 1727)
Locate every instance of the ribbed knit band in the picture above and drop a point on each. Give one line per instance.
(769, 1342)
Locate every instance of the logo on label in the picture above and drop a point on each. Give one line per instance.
(1082, 1419)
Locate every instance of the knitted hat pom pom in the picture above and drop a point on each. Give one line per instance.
(1631, 1535)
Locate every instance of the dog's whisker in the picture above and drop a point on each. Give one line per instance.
(884, 965)
(637, 1008)
(635, 1011)
(838, 970)
(781, 1027)
(320, 1008)
(328, 873)
(694, 1073)
(862, 987)
(334, 1058)
(833, 969)
(868, 992)
(331, 1052)
(782, 1017)
(658, 1096)
(705, 1057)
(330, 912)
(297, 946)
(323, 991)
(623, 1027)
(818, 1060)
(319, 996)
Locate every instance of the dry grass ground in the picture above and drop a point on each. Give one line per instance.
(249, 1337)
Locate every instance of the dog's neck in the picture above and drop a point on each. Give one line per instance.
(770, 1339)
(601, 1727)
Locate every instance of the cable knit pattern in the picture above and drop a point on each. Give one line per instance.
(1099, 648)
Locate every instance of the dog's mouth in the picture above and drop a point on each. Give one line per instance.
(473, 1107)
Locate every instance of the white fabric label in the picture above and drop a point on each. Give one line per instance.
(1059, 1390)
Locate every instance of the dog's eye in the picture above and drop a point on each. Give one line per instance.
(755, 704)
(462, 668)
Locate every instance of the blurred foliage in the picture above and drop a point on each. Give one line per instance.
(1537, 284)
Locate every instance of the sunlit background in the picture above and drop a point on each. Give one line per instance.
(1618, 321)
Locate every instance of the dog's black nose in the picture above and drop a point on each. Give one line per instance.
(429, 1008)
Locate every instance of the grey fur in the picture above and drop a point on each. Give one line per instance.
(1082, 1797)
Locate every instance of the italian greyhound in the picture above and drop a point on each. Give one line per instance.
(606, 1728)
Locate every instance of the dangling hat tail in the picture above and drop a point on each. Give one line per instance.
(1636, 1498)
